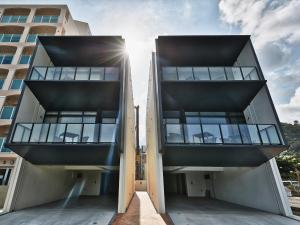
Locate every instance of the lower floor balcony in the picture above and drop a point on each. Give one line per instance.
(220, 144)
(66, 143)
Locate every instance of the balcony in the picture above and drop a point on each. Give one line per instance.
(65, 143)
(209, 88)
(97, 85)
(221, 144)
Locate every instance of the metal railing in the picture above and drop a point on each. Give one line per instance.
(75, 73)
(210, 73)
(241, 134)
(64, 133)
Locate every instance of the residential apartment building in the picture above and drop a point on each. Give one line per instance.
(212, 129)
(20, 25)
(74, 123)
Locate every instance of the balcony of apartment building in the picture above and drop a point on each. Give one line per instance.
(7, 55)
(46, 15)
(10, 35)
(15, 15)
(215, 106)
(36, 31)
(69, 111)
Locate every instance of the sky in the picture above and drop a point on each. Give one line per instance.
(274, 26)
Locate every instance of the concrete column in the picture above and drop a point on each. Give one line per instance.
(9, 78)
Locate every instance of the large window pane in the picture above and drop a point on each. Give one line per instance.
(39, 132)
(16, 84)
(70, 119)
(90, 133)
(233, 73)
(82, 73)
(185, 73)
(53, 73)
(68, 73)
(111, 73)
(38, 73)
(22, 132)
(213, 119)
(211, 133)
(250, 73)
(5, 19)
(174, 133)
(231, 134)
(268, 134)
(7, 112)
(169, 73)
(217, 73)
(56, 132)
(107, 132)
(201, 73)
(249, 134)
(193, 133)
(22, 19)
(97, 73)
(73, 133)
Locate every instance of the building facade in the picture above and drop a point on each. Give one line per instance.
(212, 129)
(19, 28)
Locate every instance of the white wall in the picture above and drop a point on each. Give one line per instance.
(196, 184)
(39, 185)
(256, 187)
(92, 183)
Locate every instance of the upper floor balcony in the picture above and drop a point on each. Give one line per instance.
(15, 15)
(46, 15)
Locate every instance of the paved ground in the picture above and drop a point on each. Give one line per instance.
(197, 211)
(83, 211)
(140, 212)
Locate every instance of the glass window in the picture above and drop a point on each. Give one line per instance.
(1, 82)
(7, 112)
(67, 73)
(185, 73)
(50, 119)
(82, 73)
(213, 119)
(250, 73)
(31, 38)
(73, 133)
(70, 119)
(192, 119)
(172, 120)
(233, 73)
(249, 134)
(56, 133)
(37, 19)
(108, 120)
(54, 19)
(89, 119)
(169, 73)
(211, 133)
(90, 133)
(38, 73)
(201, 73)
(2, 147)
(22, 132)
(45, 19)
(39, 132)
(97, 73)
(14, 19)
(107, 133)
(16, 84)
(111, 73)
(174, 133)
(231, 134)
(22, 19)
(268, 134)
(6, 37)
(217, 73)
(53, 73)
(15, 38)
(193, 133)
(24, 59)
(5, 19)
(6, 59)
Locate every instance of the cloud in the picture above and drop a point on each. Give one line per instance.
(274, 26)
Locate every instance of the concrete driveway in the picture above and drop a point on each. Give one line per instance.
(199, 211)
(83, 211)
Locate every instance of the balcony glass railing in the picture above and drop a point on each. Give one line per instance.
(13, 19)
(66, 133)
(45, 19)
(75, 73)
(247, 134)
(209, 73)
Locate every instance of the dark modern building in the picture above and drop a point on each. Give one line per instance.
(74, 123)
(212, 129)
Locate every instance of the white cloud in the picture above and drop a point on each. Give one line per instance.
(291, 111)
